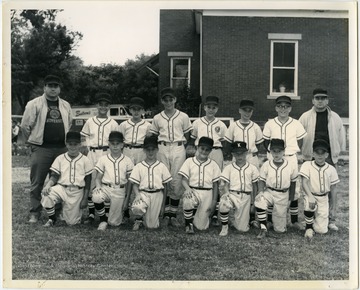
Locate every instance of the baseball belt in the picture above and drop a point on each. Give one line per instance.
(114, 185)
(180, 143)
(278, 190)
(72, 186)
(240, 192)
(103, 148)
(133, 146)
(150, 191)
(216, 147)
(288, 155)
(320, 194)
(200, 188)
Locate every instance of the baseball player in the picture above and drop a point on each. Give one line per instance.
(95, 134)
(173, 129)
(69, 183)
(238, 188)
(200, 177)
(292, 132)
(277, 179)
(148, 178)
(318, 179)
(212, 127)
(112, 182)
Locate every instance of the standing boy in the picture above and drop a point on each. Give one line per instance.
(239, 188)
(96, 132)
(173, 129)
(319, 179)
(292, 132)
(199, 178)
(69, 183)
(276, 186)
(112, 182)
(149, 179)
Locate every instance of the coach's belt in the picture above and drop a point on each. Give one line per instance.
(114, 185)
(320, 194)
(133, 146)
(180, 143)
(278, 190)
(103, 148)
(217, 147)
(150, 191)
(72, 186)
(240, 192)
(201, 188)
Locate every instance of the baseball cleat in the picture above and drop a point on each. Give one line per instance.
(224, 231)
(89, 220)
(33, 219)
(174, 222)
(269, 225)
(102, 226)
(137, 225)
(309, 234)
(255, 224)
(166, 221)
(189, 229)
(49, 223)
(333, 227)
(298, 226)
(215, 222)
(263, 233)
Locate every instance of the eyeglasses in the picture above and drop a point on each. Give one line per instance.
(283, 106)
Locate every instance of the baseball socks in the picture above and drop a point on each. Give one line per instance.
(309, 220)
(52, 217)
(294, 212)
(261, 214)
(189, 218)
(91, 217)
(100, 209)
(171, 207)
(224, 217)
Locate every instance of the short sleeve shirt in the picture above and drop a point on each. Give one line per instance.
(134, 133)
(240, 178)
(278, 177)
(203, 128)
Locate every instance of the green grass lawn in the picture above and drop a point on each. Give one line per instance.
(83, 253)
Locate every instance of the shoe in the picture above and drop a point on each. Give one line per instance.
(174, 222)
(89, 220)
(137, 225)
(189, 229)
(263, 233)
(102, 226)
(125, 220)
(166, 221)
(255, 224)
(33, 219)
(297, 225)
(224, 231)
(333, 227)
(215, 222)
(309, 234)
(269, 225)
(49, 223)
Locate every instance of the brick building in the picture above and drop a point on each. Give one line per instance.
(236, 54)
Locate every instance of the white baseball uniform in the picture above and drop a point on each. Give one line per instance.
(276, 193)
(134, 135)
(201, 176)
(240, 180)
(321, 178)
(171, 139)
(114, 180)
(70, 186)
(151, 179)
(215, 130)
(251, 134)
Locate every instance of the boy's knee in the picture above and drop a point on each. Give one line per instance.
(189, 203)
(97, 198)
(47, 202)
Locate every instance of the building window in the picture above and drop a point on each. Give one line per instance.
(180, 72)
(284, 65)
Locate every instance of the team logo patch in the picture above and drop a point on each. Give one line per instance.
(217, 129)
(54, 114)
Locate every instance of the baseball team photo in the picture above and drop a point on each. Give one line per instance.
(180, 145)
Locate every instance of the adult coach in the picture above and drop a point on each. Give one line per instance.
(45, 122)
(320, 122)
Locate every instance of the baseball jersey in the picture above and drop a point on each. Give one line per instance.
(240, 178)
(150, 176)
(321, 177)
(115, 171)
(278, 177)
(72, 171)
(214, 130)
(200, 174)
(171, 129)
(251, 134)
(97, 130)
(134, 133)
(291, 131)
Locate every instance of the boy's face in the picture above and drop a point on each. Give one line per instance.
(277, 154)
(240, 156)
(283, 109)
(168, 102)
(246, 113)
(151, 152)
(73, 148)
(320, 156)
(203, 152)
(116, 146)
(103, 107)
(211, 110)
(137, 112)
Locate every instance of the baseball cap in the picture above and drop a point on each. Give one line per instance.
(246, 104)
(167, 92)
(239, 146)
(151, 141)
(321, 144)
(103, 97)
(116, 136)
(277, 143)
(73, 136)
(206, 141)
(211, 100)
(51, 79)
(320, 93)
(284, 99)
(137, 102)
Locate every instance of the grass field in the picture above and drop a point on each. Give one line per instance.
(83, 253)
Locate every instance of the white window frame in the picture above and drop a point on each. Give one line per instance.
(284, 38)
(180, 78)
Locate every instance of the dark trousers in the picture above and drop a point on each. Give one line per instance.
(40, 162)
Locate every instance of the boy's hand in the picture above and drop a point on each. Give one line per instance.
(312, 202)
(188, 193)
(46, 191)
(83, 203)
